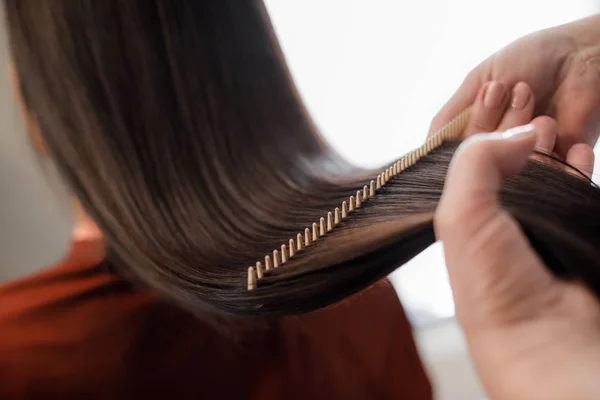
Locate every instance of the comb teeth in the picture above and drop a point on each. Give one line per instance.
(259, 270)
(451, 131)
(251, 278)
(284, 254)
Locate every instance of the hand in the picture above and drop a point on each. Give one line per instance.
(561, 67)
(530, 335)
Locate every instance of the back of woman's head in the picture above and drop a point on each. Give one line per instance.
(179, 129)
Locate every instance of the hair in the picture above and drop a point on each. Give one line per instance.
(178, 127)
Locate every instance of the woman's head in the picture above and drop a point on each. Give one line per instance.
(141, 104)
(177, 126)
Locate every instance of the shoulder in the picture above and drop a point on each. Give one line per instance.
(368, 340)
(54, 322)
(78, 330)
(80, 277)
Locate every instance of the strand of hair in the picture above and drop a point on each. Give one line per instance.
(449, 132)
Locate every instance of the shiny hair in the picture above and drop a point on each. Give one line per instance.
(178, 127)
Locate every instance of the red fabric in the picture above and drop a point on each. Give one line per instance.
(77, 331)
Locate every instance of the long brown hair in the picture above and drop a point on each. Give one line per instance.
(178, 127)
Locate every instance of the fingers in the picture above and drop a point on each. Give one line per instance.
(546, 134)
(492, 269)
(488, 109)
(546, 138)
(581, 156)
(577, 116)
(496, 108)
(520, 108)
(473, 181)
(518, 112)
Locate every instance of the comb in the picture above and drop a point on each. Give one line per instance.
(303, 241)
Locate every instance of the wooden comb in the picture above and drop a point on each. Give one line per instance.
(280, 257)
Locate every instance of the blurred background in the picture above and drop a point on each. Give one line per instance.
(371, 73)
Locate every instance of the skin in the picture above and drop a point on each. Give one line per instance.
(529, 335)
(85, 228)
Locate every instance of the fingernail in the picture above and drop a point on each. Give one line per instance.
(520, 96)
(494, 95)
(518, 132)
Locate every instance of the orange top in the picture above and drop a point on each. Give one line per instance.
(78, 331)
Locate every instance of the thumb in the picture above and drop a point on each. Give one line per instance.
(493, 271)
